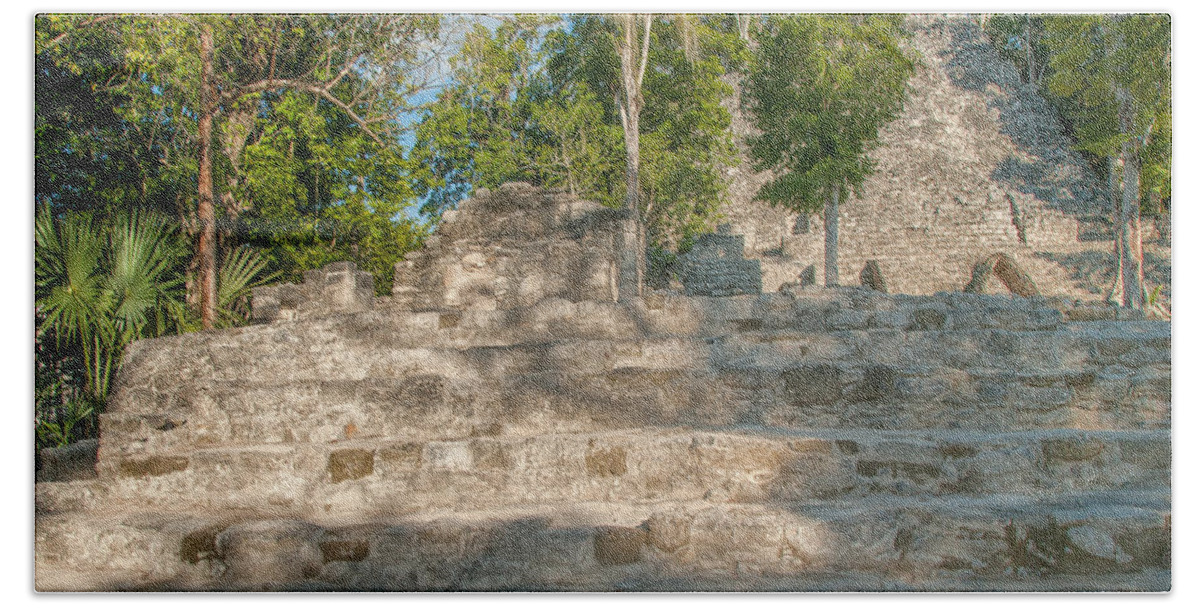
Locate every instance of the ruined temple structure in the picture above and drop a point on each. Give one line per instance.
(977, 164)
(506, 420)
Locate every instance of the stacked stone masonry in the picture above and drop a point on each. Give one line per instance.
(508, 419)
(802, 440)
(514, 247)
(715, 267)
(977, 164)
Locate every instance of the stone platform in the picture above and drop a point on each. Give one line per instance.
(815, 440)
(513, 418)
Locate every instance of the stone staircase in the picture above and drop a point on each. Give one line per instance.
(803, 440)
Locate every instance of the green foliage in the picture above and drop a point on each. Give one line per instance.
(820, 88)
(58, 427)
(505, 120)
(323, 192)
(309, 123)
(534, 102)
(1090, 58)
(100, 285)
(240, 271)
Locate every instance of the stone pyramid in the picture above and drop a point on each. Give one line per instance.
(977, 164)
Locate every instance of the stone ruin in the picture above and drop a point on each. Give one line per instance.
(506, 421)
(977, 163)
(514, 248)
(715, 266)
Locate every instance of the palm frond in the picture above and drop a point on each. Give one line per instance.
(241, 270)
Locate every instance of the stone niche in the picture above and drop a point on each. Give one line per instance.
(715, 266)
(337, 288)
(513, 247)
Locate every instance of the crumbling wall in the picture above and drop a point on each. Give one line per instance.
(715, 267)
(337, 288)
(514, 247)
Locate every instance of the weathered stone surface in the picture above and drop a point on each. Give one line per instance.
(350, 464)
(871, 276)
(1005, 268)
(152, 466)
(715, 267)
(619, 546)
(504, 421)
(267, 553)
(605, 462)
(70, 463)
(1074, 449)
(514, 247)
(812, 384)
(337, 288)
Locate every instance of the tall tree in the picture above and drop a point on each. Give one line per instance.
(1115, 70)
(541, 101)
(204, 75)
(819, 89)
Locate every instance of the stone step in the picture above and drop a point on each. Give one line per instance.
(369, 474)
(1087, 541)
(298, 352)
(843, 393)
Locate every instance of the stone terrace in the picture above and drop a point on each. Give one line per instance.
(494, 426)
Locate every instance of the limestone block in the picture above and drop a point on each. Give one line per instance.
(73, 462)
(273, 552)
(615, 546)
(812, 384)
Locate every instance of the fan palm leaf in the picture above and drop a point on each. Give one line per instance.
(241, 270)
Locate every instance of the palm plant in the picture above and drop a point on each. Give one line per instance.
(101, 287)
(241, 270)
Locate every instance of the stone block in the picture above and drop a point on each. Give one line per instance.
(354, 463)
(70, 463)
(818, 384)
(263, 554)
(669, 531)
(152, 466)
(448, 455)
(616, 546)
(403, 456)
(1150, 453)
(878, 383)
(605, 462)
(1072, 449)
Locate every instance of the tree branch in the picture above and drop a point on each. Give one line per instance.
(645, 53)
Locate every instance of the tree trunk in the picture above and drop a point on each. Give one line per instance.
(1131, 263)
(1114, 194)
(633, 69)
(831, 238)
(205, 248)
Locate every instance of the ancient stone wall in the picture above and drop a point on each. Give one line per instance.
(337, 288)
(514, 247)
(508, 420)
(976, 165)
(810, 439)
(715, 267)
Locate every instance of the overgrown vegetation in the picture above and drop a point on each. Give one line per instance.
(1109, 76)
(182, 159)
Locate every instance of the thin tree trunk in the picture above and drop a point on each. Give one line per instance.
(1114, 194)
(1131, 263)
(831, 238)
(633, 69)
(205, 248)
